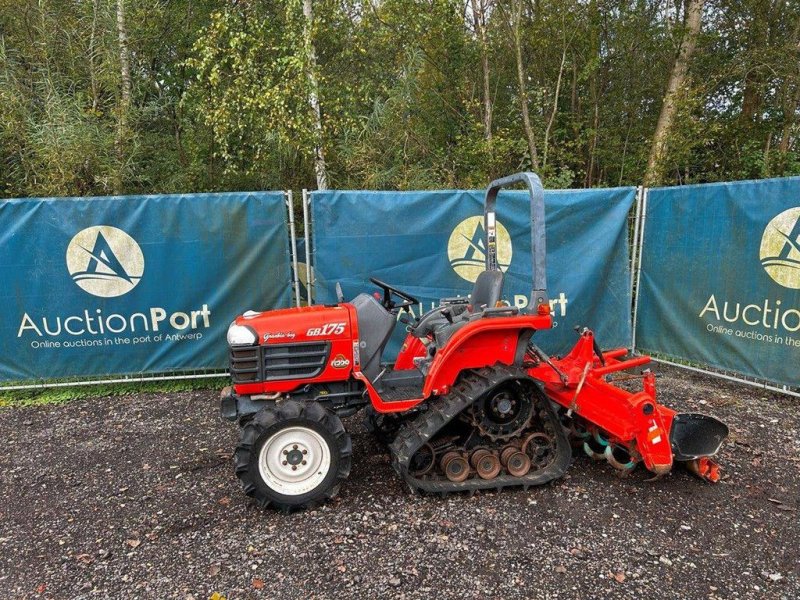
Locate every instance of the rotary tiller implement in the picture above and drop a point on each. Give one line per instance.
(469, 403)
(622, 427)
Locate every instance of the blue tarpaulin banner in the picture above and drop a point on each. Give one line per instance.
(430, 244)
(720, 280)
(134, 284)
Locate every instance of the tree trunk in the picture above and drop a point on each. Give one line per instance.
(523, 90)
(555, 106)
(789, 110)
(751, 97)
(479, 8)
(593, 146)
(791, 101)
(125, 95)
(573, 101)
(593, 92)
(320, 170)
(677, 78)
(92, 55)
(576, 108)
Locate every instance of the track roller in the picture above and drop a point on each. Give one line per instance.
(488, 466)
(518, 464)
(456, 468)
(477, 456)
(507, 453)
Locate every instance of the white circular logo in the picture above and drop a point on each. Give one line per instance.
(105, 261)
(466, 248)
(780, 248)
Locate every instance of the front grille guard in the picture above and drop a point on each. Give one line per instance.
(278, 362)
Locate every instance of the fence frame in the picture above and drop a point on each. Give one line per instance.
(692, 366)
(634, 243)
(136, 378)
(187, 373)
(310, 275)
(721, 374)
(289, 199)
(637, 248)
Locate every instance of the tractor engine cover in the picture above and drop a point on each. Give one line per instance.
(293, 347)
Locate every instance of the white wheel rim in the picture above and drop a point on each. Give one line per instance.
(294, 460)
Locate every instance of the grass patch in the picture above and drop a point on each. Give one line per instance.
(61, 395)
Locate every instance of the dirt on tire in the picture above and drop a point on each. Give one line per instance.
(135, 497)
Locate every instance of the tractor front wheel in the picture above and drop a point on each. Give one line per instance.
(292, 455)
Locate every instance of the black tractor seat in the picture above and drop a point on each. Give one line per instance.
(487, 290)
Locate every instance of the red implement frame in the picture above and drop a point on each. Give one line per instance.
(633, 421)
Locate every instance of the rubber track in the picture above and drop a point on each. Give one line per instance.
(414, 434)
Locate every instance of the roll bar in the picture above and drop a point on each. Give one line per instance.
(538, 247)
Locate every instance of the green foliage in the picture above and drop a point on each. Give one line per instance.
(69, 150)
(250, 85)
(61, 395)
(220, 94)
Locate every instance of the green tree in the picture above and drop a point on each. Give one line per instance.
(104, 96)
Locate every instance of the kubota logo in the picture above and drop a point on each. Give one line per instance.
(466, 248)
(340, 362)
(105, 261)
(780, 248)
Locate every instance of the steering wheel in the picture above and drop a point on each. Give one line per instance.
(388, 290)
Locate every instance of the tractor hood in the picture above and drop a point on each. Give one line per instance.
(291, 325)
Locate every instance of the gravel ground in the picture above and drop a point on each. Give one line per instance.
(135, 498)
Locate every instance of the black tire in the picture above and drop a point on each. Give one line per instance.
(290, 416)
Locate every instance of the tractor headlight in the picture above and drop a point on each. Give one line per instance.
(239, 335)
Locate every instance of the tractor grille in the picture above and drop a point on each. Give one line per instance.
(245, 364)
(279, 361)
(295, 361)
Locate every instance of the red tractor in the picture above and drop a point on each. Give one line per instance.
(469, 403)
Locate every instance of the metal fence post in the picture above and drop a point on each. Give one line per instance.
(641, 222)
(295, 278)
(309, 262)
(635, 247)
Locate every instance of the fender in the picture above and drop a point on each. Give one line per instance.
(481, 343)
(412, 348)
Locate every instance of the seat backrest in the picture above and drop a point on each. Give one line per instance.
(375, 326)
(487, 290)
